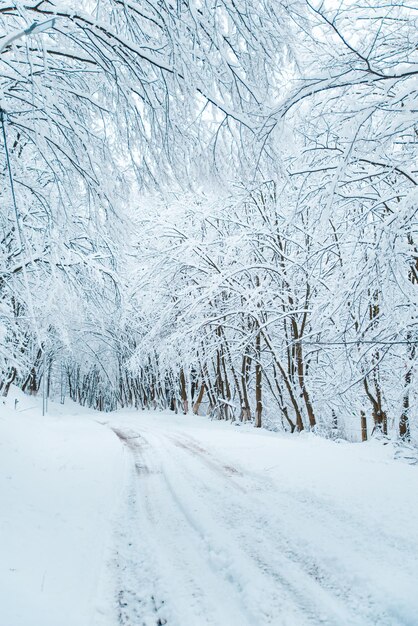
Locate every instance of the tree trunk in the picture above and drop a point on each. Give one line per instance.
(300, 366)
(379, 415)
(404, 425)
(258, 382)
(245, 372)
(199, 399)
(9, 381)
(183, 392)
(363, 420)
(299, 420)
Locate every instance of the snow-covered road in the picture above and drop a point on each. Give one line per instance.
(226, 526)
(144, 519)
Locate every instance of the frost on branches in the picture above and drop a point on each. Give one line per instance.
(213, 209)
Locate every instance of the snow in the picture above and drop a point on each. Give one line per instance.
(229, 525)
(59, 482)
(151, 518)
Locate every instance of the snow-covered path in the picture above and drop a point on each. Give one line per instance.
(144, 519)
(227, 526)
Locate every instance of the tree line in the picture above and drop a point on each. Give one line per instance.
(213, 209)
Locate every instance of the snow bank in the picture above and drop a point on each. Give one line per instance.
(59, 483)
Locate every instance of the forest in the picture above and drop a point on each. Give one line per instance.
(211, 207)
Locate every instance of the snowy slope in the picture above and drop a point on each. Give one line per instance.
(59, 484)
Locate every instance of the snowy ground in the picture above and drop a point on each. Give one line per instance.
(60, 480)
(156, 519)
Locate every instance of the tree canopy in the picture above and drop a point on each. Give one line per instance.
(213, 207)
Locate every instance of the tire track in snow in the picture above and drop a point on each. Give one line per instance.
(223, 546)
(179, 559)
(301, 593)
(279, 558)
(138, 601)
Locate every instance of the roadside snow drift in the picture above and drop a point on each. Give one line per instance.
(59, 482)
